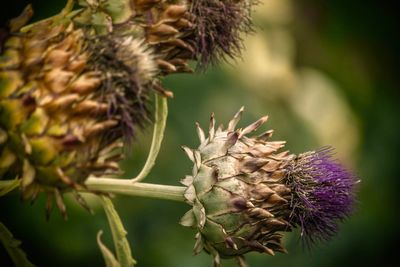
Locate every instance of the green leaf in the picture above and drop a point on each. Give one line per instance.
(119, 10)
(108, 256)
(8, 186)
(161, 114)
(101, 22)
(119, 233)
(11, 244)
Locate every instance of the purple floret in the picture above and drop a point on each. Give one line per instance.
(323, 194)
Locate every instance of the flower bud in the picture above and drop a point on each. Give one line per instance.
(245, 194)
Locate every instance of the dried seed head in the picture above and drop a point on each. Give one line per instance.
(206, 31)
(245, 194)
(128, 70)
(68, 100)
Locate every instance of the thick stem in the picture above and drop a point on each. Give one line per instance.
(126, 187)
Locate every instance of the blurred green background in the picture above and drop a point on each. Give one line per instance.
(326, 71)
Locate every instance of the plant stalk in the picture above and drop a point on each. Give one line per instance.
(161, 113)
(126, 187)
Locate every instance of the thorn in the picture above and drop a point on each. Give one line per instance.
(275, 198)
(62, 102)
(104, 166)
(60, 204)
(184, 23)
(91, 107)
(174, 11)
(159, 88)
(86, 83)
(269, 251)
(100, 127)
(259, 247)
(254, 126)
(70, 141)
(182, 44)
(66, 180)
(260, 213)
(265, 135)
(241, 261)
(28, 174)
(217, 260)
(165, 66)
(232, 123)
(230, 243)
(34, 196)
(250, 164)
(200, 133)
(189, 152)
(232, 139)
(197, 158)
(82, 202)
(162, 30)
(211, 131)
(49, 205)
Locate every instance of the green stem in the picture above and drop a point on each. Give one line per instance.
(121, 244)
(161, 112)
(126, 187)
(67, 11)
(13, 248)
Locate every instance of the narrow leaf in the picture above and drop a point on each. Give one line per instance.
(123, 251)
(161, 114)
(8, 186)
(11, 244)
(108, 256)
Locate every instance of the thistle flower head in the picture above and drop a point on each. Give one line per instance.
(245, 194)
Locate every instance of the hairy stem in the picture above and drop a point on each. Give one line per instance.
(126, 187)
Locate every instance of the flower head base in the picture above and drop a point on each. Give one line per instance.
(245, 194)
(323, 194)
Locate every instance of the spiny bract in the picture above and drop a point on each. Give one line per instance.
(244, 194)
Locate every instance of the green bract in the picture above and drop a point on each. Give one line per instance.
(239, 203)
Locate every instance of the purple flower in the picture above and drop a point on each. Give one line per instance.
(323, 194)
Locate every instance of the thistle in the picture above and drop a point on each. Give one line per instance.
(245, 194)
(206, 31)
(68, 102)
(75, 87)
